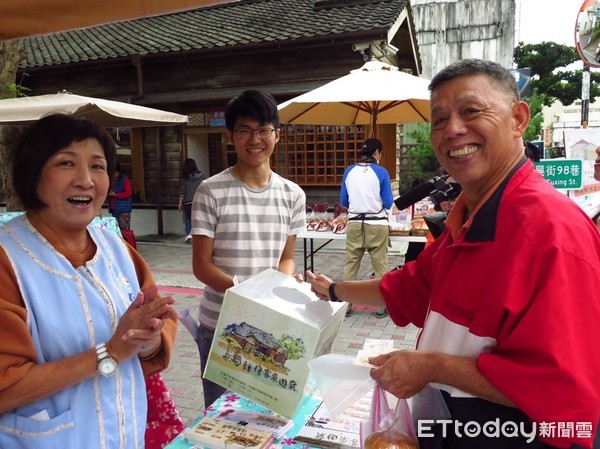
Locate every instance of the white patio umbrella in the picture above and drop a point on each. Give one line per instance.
(24, 111)
(376, 93)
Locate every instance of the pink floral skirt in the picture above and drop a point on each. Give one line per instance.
(163, 423)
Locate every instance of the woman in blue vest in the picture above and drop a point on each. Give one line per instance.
(82, 324)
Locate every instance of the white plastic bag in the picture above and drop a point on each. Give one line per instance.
(388, 428)
(340, 381)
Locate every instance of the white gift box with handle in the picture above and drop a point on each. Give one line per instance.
(269, 328)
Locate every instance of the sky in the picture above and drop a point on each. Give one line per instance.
(547, 20)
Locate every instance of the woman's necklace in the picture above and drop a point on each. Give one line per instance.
(89, 244)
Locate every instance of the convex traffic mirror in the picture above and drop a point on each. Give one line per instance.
(587, 32)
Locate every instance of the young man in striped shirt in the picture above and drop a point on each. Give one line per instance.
(244, 219)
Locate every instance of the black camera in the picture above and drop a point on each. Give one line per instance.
(443, 191)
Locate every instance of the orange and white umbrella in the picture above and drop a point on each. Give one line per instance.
(377, 93)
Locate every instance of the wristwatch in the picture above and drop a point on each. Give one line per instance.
(107, 366)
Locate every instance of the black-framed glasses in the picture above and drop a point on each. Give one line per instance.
(262, 133)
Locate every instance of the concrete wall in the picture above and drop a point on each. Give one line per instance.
(197, 147)
(451, 30)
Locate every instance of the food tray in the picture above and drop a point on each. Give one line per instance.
(399, 232)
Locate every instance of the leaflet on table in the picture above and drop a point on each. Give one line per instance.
(277, 425)
(217, 433)
(342, 433)
(231, 401)
(372, 348)
(188, 321)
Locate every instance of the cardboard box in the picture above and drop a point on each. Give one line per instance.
(269, 328)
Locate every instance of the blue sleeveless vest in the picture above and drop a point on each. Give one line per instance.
(69, 311)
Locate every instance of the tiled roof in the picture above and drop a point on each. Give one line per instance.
(245, 330)
(229, 25)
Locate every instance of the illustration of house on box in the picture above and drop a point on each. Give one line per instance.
(253, 349)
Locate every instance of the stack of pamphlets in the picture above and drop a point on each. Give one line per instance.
(323, 431)
(275, 424)
(215, 433)
(341, 433)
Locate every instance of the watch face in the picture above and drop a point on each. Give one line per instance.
(107, 367)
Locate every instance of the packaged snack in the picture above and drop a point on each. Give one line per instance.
(387, 428)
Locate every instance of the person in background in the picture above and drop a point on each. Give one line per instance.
(597, 165)
(507, 297)
(244, 219)
(82, 323)
(191, 178)
(415, 248)
(367, 193)
(120, 198)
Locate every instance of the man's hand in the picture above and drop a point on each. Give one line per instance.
(402, 373)
(319, 284)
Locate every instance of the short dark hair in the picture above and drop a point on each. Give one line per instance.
(45, 138)
(370, 146)
(252, 104)
(469, 67)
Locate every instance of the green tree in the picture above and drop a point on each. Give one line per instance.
(534, 129)
(293, 348)
(10, 57)
(546, 61)
(422, 159)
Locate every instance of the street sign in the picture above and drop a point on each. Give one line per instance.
(562, 173)
(523, 78)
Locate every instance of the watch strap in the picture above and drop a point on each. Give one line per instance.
(101, 352)
(102, 355)
(332, 296)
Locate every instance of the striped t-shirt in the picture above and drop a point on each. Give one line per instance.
(249, 227)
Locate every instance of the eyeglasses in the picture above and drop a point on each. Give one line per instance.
(262, 133)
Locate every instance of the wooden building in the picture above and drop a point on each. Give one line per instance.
(193, 62)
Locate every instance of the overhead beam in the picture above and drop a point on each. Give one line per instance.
(23, 18)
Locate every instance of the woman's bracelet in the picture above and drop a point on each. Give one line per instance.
(332, 296)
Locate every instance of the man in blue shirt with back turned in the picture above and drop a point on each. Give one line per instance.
(367, 193)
